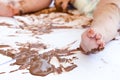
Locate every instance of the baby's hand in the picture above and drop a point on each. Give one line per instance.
(91, 41)
(62, 5)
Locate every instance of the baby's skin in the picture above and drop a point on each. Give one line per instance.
(104, 27)
(106, 18)
(16, 7)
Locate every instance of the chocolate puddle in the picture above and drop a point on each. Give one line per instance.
(28, 57)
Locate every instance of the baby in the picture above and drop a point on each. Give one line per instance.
(104, 26)
(106, 17)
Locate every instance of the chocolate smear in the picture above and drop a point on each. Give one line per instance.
(28, 57)
(2, 46)
(2, 72)
(5, 24)
(13, 70)
(69, 68)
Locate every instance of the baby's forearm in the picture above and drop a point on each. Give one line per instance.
(106, 19)
(34, 5)
(17, 7)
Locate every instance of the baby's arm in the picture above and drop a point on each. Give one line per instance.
(16, 7)
(104, 26)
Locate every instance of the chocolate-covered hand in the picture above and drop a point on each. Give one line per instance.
(62, 5)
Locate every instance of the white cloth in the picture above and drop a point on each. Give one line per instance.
(85, 6)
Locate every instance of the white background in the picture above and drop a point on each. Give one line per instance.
(104, 65)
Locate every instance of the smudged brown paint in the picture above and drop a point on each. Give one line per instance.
(39, 64)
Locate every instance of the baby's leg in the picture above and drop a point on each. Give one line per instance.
(105, 23)
(16, 7)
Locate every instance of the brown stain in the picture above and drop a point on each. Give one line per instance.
(39, 64)
(13, 70)
(69, 68)
(3, 46)
(5, 24)
(2, 72)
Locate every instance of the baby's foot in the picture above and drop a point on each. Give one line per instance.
(91, 41)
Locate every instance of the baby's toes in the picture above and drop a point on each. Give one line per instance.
(98, 36)
(91, 33)
(101, 44)
(99, 41)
